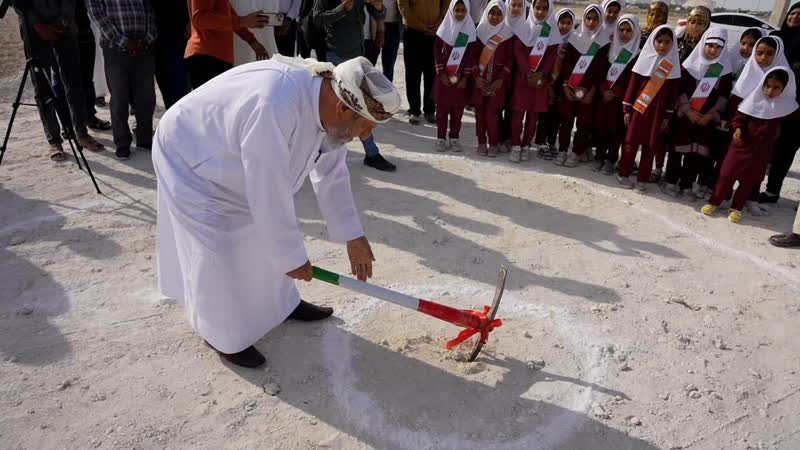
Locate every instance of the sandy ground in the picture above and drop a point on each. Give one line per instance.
(631, 322)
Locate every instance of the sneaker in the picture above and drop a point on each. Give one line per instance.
(380, 163)
(482, 150)
(441, 145)
(639, 187)
(526, 154)
(671, 189)
(768, 198)
(504, 147)
(455, 146)
(598, 166)
(709, 209)
(572, 160)
(700, 191)
(655, 177)
(413, 119)
(543, 152)
(587, 156)
(735, 216)
(689, 194)
(492, 152)
(515, 155)
(755, 209)
(430, 118)
(608, 169)
(123, 153)
(625, 182)
(560, 159)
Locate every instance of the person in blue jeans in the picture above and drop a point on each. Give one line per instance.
(343, 22)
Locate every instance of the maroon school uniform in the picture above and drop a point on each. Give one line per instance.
(568, 110)
(488, 107)
(528, 101)
(645, 129)
(609, 131)
(451, 100)
(746, 161)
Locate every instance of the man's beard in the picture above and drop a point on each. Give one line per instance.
(338, 136)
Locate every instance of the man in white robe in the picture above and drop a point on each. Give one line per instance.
(229, 158)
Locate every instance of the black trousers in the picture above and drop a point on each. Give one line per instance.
(203, 68)
(783, 155)
(286, 43)
(172, 75)
(418, 57)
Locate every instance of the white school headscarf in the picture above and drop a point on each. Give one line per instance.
(476, 8)
(649, 59)
(450, 28)
(518, 25)
(735, 58)
(583, 38)
(632, 45)
(752, 73)
(485, 30)
(559, 15)
(759, 106)
(697, 63)
(357, 83)
(534, 27)
(609, 29)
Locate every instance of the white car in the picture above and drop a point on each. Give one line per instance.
(735, 23)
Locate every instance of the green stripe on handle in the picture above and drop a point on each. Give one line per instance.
(324, 275)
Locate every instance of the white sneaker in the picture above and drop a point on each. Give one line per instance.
(572, 160)
(441, 145)
(560, 159)
(609, 169)
(625, 182)
(455, 146)
(526, 154)
(756, 209)
(641, 188)
(516, 154)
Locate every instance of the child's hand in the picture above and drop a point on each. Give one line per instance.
(694, 116)
(445, 79)
(569, 93)
(588, 97)
(608, 96)
(664, 125)
(627, 119)
(705, 120)
(462, 83)
(480, 82)
(737, 135)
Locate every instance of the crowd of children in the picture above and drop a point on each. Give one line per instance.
(711, 107)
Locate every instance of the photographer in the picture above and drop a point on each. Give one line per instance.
(127, 32)
(50, 32)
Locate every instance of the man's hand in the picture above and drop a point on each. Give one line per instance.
(348, 4)
(48, 32)
(284, 28)
(255, 19)
(361, 258)
(303, 272)
(261, 52)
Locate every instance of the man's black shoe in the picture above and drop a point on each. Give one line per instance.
(249, 357)
(307, 312)
(378, 162)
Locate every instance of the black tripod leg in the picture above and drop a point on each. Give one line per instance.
(14, 109)
(88, 170)
(73, 146)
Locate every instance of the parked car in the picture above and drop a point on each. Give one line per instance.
(735, 23)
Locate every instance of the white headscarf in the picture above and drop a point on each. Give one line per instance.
(632, 45)
(752, 73)
(559, 15)
(476, 8)
(583, 38)
(518, 25)
(485, 30)
(759, 106)
(609, 29)
(649, 59)
(534, 27)
(450, 28)
(357, 83)
(697, 63)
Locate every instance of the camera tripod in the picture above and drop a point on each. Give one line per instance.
(47, 96)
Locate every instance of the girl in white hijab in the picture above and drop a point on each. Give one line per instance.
(609, 125)
(452, 52)
(492, 73)
(649, 104)
(767, 53)
(755, 126)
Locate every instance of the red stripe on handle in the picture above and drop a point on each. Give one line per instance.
(460, 317)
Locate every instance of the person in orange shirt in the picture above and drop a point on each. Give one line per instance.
(209, 51)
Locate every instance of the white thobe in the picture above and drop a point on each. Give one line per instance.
(242, 52)
(229, 158)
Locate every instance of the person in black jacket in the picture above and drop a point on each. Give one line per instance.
(172, 19)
